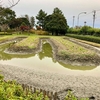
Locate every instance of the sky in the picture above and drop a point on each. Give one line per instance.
(69, 8)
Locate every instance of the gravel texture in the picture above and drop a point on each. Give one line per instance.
(81, 86)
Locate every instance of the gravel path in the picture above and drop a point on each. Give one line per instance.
(81, 86)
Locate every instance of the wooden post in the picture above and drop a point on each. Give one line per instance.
(55, 96)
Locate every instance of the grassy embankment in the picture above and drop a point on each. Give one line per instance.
(30, 42)
(5, 38)
(73, 51)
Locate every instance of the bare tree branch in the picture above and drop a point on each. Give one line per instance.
(11, 3)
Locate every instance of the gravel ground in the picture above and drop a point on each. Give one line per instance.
(81, 86)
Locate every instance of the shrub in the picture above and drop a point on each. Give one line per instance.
(10, 30)
(32, 31)
(40, 32)
(73, 30)
(91, 31)
(84, 30)
(97, 32)
(85, 37)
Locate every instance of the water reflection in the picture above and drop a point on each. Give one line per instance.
(5, 56)
(43, 59)
(46, 51)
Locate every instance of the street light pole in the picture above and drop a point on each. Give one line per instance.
(73, 20)
(78, 17)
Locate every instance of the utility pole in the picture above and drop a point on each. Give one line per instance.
(73, 20)
(78, 18)
(94, 14)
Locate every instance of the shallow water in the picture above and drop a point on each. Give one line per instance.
(44, 61)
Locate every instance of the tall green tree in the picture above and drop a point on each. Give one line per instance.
(56, 23)
(32, 21)
(17, 22)
(6, 16)
(41, 18)
(27, 17)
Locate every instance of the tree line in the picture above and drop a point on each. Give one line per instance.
(54, 23)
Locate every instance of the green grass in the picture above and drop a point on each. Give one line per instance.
(3, 38)
(30, 41)
(72, 48)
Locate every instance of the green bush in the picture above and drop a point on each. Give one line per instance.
(32, 31)
(12, 91)
(41, 32)
(10, 30)
(97, 32)
(91, 31)
(84, 30)
(85, 37)
(73, 30)
(5, 33)
(70, 96)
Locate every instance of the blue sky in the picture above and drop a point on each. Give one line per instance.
(69, 8)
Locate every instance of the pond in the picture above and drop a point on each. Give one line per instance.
(44, 61)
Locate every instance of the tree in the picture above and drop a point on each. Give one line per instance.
(5, 13)
(6, 16)
(27, 17)
(17, 22)
(24, 27)
(41, 18)
(56, 23)
(32, 21)
(25, 20)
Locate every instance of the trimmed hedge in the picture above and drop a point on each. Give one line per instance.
(85, 30)
(85, 37)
